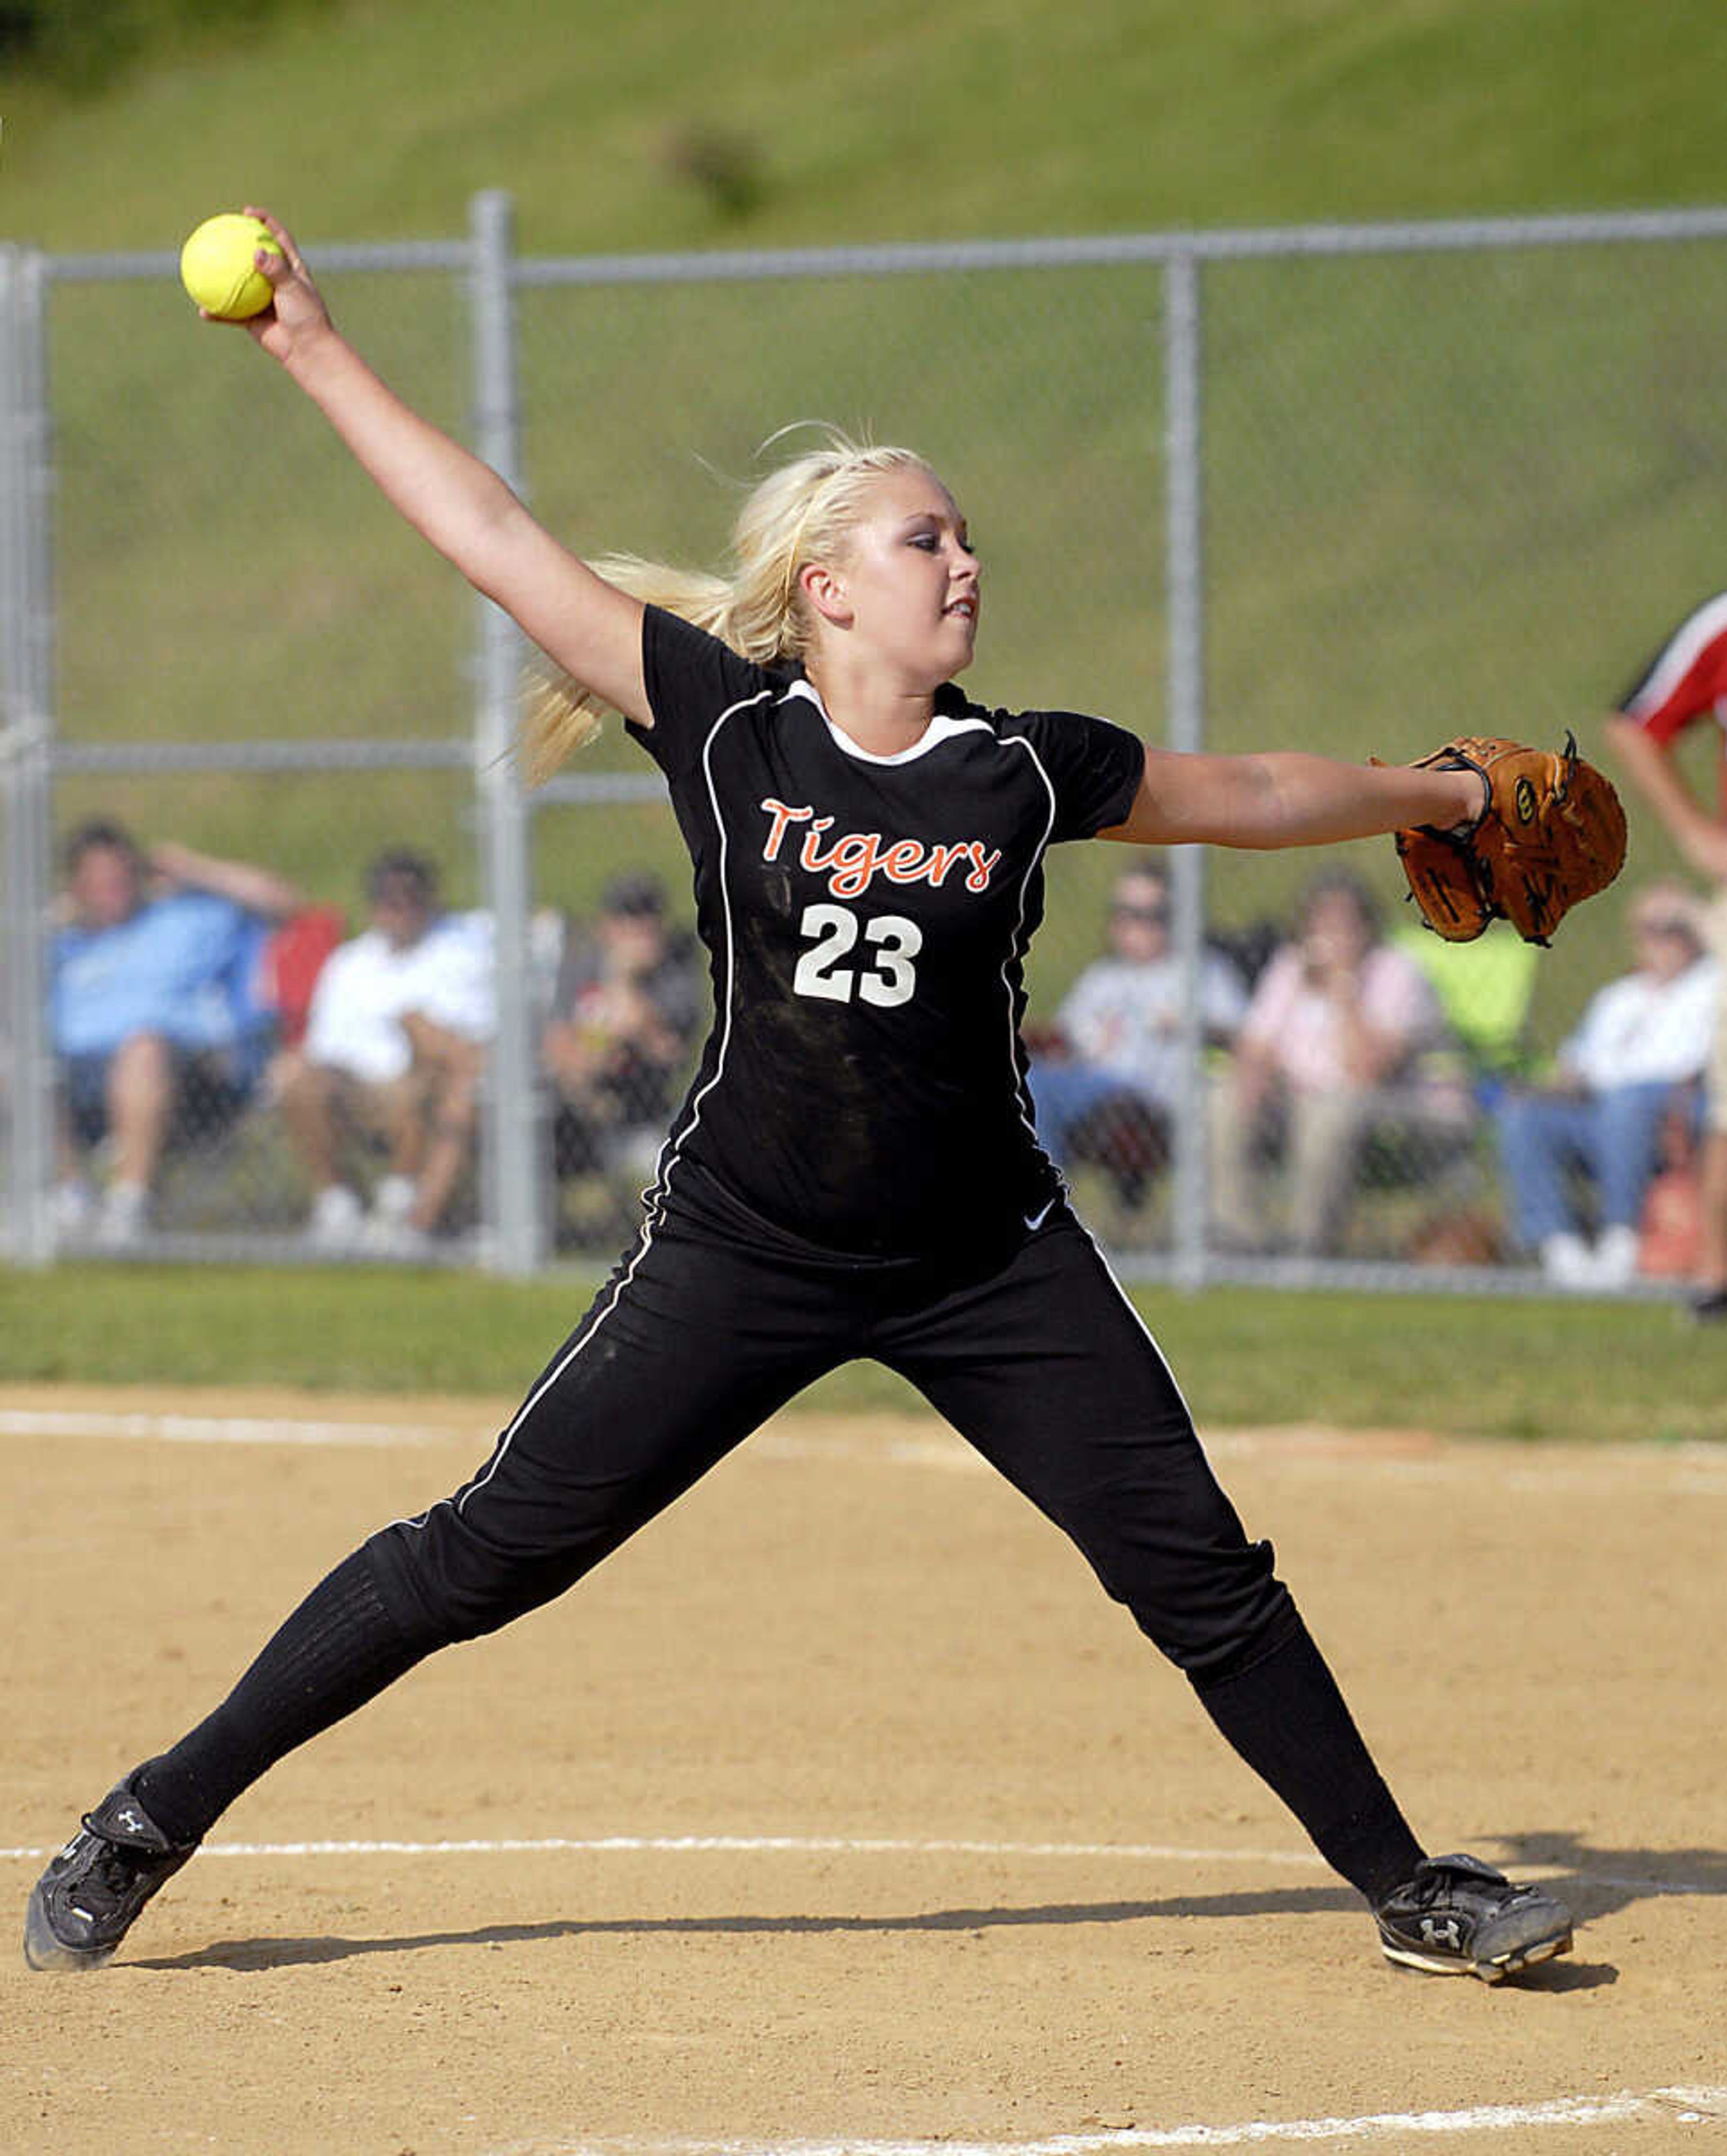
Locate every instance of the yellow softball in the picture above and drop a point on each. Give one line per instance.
(216, 268)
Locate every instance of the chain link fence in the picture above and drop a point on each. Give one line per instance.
(1350, 491)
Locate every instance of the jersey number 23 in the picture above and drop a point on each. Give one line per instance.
(886, 977)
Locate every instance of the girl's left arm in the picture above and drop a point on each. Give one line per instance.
(1285, 798)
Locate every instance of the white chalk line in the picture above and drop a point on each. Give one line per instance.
(791, 1845)
(809, 1844)
(162, 1428)
(1685, 2106)
(1694, 1469)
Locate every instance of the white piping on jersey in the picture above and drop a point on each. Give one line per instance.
(1022, 943)
(654, 1198)
(674, 1146)
(1683, 650)
(942, 727)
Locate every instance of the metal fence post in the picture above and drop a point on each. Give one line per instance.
(1184, 572)
(515, 1244)
(25, 644)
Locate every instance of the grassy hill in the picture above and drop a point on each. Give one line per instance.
(883, 121)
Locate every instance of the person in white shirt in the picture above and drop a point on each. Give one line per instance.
(1109, 1080)
(394, 1044)
(1642, 1038)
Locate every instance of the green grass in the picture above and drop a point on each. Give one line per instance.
(884, 119)
(1472, 1367)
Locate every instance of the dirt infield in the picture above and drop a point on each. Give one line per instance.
(841, 1809)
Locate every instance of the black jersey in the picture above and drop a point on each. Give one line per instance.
(867, 919)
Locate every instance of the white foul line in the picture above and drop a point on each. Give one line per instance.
(839, 1845)
(1687, 2107)
(1696, 1469)
(794, 1845)
(211, 1429)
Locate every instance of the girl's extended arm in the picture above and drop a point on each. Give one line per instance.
(1288, 798)
(588, 627)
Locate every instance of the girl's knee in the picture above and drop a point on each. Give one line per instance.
(444, 1584)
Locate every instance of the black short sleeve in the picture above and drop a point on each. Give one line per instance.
(692, 680)
(1094, 767)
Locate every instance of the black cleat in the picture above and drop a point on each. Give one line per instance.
(1458, 1917)
(86, 1902)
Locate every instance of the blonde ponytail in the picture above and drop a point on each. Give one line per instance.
(558, 715)
(802, 512)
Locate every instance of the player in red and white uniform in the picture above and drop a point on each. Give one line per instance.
(1684, 685)
(855, 1172)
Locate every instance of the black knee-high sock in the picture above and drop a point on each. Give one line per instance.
(1286, 1718)
(339, 1649)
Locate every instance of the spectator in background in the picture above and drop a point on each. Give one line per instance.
(1329, 1054)
(1105, 1086)
(1641, 1037)
(394, 1045)
(1485, 989)
(153, 1014)
(630, 1001)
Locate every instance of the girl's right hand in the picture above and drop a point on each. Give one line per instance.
(297, 314)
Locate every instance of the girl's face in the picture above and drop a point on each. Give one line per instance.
(907, 587)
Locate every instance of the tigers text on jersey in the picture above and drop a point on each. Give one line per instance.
(867, 919)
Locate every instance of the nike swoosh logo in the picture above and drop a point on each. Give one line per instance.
(1035, 1220)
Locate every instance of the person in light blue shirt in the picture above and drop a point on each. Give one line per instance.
(153, 1006)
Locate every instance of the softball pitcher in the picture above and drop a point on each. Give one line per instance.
(854, 1171)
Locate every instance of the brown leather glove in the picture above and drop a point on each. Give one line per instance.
(1552, 832)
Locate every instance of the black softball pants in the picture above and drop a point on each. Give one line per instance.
(709, 1327)
(1039, 1361)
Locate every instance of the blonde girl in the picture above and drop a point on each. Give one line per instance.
(854, 1171)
